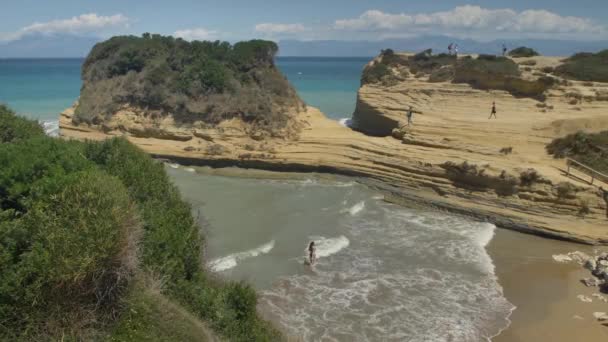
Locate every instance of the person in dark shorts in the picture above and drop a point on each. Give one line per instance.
(311, 253)
(493, 113)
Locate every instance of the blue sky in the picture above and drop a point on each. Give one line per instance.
(308, 19)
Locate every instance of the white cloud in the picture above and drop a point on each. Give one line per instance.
(474, 20)
(196, 34)
(83, 24)
(274, 29)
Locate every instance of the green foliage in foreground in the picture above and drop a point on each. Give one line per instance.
(590, 149)
(523, 51)
(78, 221)
(13, 128)
(585, 67)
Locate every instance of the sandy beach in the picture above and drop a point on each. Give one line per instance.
(545, 291)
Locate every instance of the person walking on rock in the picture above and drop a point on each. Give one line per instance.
(410, 114)
(493, 113)
(604, 194)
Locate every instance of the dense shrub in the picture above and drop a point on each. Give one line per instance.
(193, 81)
(565, 190)
(13, 128)
(523, 51)
(500, 73)
(585, 67)
(33, 165)
(76, 220)
(374, 73)
(588, 148)
(474, 178)
(69, 257)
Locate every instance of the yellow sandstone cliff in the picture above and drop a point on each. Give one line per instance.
(450, 158)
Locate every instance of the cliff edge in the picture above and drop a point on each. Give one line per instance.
(452, 158)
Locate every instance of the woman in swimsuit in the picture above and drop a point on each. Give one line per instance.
(311, 252)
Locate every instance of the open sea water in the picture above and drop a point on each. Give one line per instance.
(385, 273)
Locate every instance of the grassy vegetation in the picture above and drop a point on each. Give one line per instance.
(585, 67)
(523, 51)
(483, 72)
(474, 178)
(194, 81)
(79, 222)
(590, 149)
(500, 73)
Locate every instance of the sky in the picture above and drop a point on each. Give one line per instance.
(235, 20)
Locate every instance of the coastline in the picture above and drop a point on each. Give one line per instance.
(546, 303)
(410, 173)
(544, 291)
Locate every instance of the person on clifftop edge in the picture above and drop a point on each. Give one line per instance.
(493, 113)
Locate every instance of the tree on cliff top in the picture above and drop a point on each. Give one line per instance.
(193, 81)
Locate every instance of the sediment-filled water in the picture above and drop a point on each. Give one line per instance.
(383, 272)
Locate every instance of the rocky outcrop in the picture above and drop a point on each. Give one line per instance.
(452, 158)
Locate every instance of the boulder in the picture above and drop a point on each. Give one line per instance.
(590, 264)
(397, 133)
(600, 316)
(591, 282)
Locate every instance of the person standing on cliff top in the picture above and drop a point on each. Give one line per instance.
(493, 113)
(504, 50)
(410, 114)
(604, 194)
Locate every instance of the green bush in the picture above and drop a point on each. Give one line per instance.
(500, 73)
(76, 220)
(172, 241)
(69, 257)
(474, 178)
(14, 128)
(374, 73)
(565, 190)
(34, 165)
(590, 149)
(523, 51)
(585, 67)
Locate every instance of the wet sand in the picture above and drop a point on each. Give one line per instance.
(545, 291)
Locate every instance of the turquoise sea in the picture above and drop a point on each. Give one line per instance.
(42, 88)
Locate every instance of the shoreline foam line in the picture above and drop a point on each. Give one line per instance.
(232, 260)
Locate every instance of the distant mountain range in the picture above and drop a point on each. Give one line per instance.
(75, 46)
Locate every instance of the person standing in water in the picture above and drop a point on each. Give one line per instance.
(493, 113)
(312, 253)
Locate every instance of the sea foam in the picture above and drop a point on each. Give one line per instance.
(232, 260)
(330, 246)
(51, 127)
